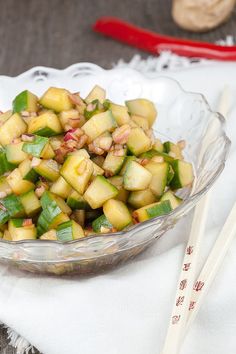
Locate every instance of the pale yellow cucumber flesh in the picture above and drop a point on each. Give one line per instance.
(138, 199)
(144, 108)
(138, 141)
(159, 173)
(97, 93)
(136, 177)
(70, 171)
(117, 213)
(99, 191)
(56, 99)
(120, 114)
(173, 199)
(11, 129)
(99, 124)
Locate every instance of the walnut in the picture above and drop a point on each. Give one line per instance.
(201, 15)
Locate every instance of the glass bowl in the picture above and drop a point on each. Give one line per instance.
(181, 115)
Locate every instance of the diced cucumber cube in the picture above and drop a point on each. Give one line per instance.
(4, 186)
(117, 181)
(19, 230)
(128, 159)
(117, 213)
(77, 201)
(5, 116)
(120, 113)
(183, 176)
(5, 165)
(151, 153)
(18, 184)
(36, 147)
(25, 101)
(152, 210)
(140, 121)
(27, 172)
(99, 124)
(13, 205)
(136, 177)
(31, 203)
(102, 225)
(4, 216)
(77, 171)
(144, 108)
(15, 154)
(11, 129)
(173, 199)
(56, 99)
(138, 141)
(48, 169)
(46, 124)
(48, 152)
(174, 149)
(50, 218)
(113, 164)
(49, 235)
(72, 114)
(97, 93)
(61, 188)
(49, 198)
(159, 173)
(99, 191)
(69, 231)
(138, 199)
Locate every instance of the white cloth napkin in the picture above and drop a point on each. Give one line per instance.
(126, 311)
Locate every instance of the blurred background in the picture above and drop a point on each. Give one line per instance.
(58, 33)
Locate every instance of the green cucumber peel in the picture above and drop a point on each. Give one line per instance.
(36, 146)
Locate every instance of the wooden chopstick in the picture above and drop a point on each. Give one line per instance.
(212, 265)
(185, 284)
(186, 280)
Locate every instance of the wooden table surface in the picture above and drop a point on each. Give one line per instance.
(58, 33)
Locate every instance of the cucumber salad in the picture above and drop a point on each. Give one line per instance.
(72, 166)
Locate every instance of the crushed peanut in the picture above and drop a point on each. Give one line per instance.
(181, 144)
(105, 143)
(121, 134)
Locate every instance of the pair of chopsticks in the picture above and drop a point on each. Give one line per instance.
(190, 294)
(155, 43)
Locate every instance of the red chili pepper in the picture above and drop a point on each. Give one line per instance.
(155, 43)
